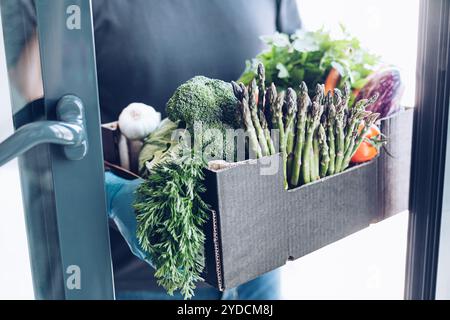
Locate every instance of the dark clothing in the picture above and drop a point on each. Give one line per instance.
(147, 48)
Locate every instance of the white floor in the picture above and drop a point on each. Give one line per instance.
(366, 265)
(15, 273)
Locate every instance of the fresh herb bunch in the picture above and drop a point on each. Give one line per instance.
(170, 216)
(309, 56)
(170, 209)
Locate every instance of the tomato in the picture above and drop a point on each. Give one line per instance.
(369, 148)
(366, 152)
(374, 132)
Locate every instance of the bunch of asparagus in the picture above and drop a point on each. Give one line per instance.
(316, 137)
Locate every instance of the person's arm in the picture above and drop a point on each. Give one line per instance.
(288, 20)
(120, 194)
(22, 47)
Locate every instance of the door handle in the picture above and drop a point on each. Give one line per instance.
(69, 131)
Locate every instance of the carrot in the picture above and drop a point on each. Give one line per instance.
(332, 80)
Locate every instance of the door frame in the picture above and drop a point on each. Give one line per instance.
(430, 166)
(64, 200)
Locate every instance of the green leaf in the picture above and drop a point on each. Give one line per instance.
(305, 45)
(279, 40)
(283, 72)
(359, 83)
(309, 55)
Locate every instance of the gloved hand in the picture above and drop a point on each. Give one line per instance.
(120, 194)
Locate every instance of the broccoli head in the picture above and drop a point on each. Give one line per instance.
(207, 100)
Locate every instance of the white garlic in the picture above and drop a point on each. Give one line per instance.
(138, 120)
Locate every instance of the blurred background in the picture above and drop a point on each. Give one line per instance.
(367, 265)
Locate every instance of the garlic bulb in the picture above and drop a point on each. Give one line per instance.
(138, 120)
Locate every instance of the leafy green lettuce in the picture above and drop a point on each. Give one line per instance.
(309, 56)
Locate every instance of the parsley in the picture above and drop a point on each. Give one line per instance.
(309, 56)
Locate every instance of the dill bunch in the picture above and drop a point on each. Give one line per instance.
(170, 216)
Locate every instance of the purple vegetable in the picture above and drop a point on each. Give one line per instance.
(388, 84)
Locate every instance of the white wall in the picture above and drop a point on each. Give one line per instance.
(387, 27)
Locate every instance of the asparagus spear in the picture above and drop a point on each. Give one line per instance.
(341, 110)
(253, 95)
(291, 112)
(359, 137)
(270, 99)
(355, 118)
(265, 127)
(346, 95)
(368, 122)
(261, 81)
(353, 133)
(315, 170)
(331, 130)
(324, 152)
(290, 144)
(337, 97)
(320, 94)
(313, 122)
(248, 123)
(238, 91)
(291, 109)
(304, 103)
(277, 114)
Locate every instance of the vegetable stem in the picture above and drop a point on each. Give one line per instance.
(324, 152)
(243, 95)
(331, 138)
(304, 104)
(253, 95)
(315, 175)
(291, 111)
(308, 151)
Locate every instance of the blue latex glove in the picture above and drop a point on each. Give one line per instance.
(120, 194)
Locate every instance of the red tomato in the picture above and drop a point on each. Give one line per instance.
(368, 150)
(374, 131)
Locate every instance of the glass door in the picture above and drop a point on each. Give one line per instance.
(371, 263)
(53, 84)
(428, 239)
(52, 73)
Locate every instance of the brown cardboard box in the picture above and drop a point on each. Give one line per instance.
(257, 226)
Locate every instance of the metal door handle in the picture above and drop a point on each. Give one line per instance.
(69, 131)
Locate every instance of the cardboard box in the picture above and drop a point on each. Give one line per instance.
(256, 226)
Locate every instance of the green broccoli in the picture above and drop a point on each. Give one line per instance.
(207, 100)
